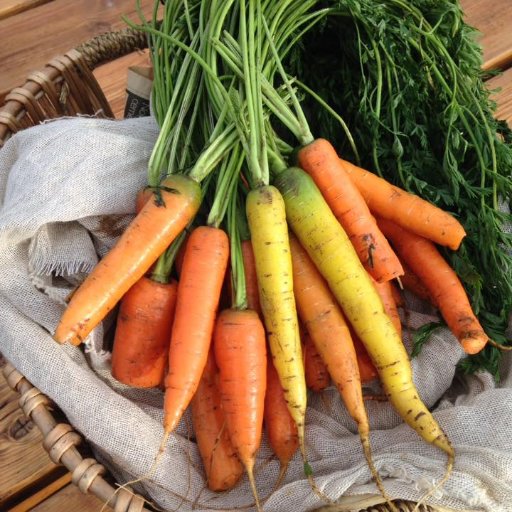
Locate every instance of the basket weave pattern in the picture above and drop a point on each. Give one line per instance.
(67, 87)
(61, 441)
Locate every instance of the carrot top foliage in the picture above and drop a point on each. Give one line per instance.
(406, 78)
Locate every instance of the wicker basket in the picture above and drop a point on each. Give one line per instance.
(67, 87)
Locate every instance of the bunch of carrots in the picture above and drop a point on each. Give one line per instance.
(259, 263)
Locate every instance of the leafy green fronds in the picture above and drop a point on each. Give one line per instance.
(408, 82)
(422, 336)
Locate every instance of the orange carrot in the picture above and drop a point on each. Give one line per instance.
(367, 370)
(142, 197)
(327, 327)
(407, 210)
(181, 254)
(443, 284)
(199, 288)
(317, 376)
(145, 239)
(319, 159)
(221, 464)
(143, 330)
(413, 283)
(279, 425)
(388, 300)
(326, 324)
(398, 298)
(240, 352)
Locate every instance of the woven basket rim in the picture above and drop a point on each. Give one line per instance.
(66, 85)
(61, 442)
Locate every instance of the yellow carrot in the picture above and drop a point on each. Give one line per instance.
(269, 237)
(330, 249)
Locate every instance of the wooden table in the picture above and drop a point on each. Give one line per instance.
(33, 32)
(43, 29)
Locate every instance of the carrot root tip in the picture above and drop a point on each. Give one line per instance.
(252, 483)
(449, 467)
(365, 441)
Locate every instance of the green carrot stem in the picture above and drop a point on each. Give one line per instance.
(276, 161)
(238, 286)
(334, 114)
(204, 65)
(249, 84)
(163, 267)
(241, 216)
(226, 185)
(305, 135)
(213, 154)
(230, 52)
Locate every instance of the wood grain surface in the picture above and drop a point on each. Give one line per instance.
(32, 38)
(502, 85)
(493, 19)
(12, 7)
(37, 497)
(112, 78)
(69, 498)
(23, 461)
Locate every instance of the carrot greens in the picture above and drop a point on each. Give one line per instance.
(408, 83)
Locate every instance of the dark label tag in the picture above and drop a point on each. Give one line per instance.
(138, 90)
(136, 106)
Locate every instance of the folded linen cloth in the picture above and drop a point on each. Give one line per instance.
(67, 189)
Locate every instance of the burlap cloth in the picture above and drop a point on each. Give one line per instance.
(66, 191)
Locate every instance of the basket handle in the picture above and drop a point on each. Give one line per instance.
(66, 85)
(61, 441)
(112, 45)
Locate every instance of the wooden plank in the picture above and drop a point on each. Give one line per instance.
(43, 494)
(12, 7)
(502, 84)
(493, 19)
(24, 463)
(32, 38)
(112, 79)
(69, 498)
